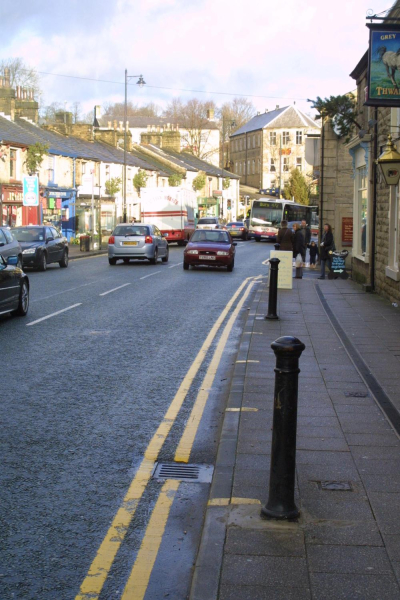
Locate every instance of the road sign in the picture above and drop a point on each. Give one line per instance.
(338, 265)
(285, 272)
(30, 190)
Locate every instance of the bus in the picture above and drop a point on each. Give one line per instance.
(266, 217)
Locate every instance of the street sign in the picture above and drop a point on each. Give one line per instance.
(285, 271)
(338, 265)
(30, 190)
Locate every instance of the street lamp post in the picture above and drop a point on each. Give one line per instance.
(232, 123)
(140, 82)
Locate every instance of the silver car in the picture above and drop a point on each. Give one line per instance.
(137, 241)
(208, 223)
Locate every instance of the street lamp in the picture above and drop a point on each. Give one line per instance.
(232, 123)
(389, 162)
(140, 82)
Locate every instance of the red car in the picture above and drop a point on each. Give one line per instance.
(211, 247)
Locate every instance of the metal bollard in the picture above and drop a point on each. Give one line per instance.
(273, 288)
(281, 504)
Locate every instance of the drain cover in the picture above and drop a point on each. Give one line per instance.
(335, 486)
(183, 472)
(356, 394)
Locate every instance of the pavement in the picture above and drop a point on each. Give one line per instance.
(74, 252)
(346, 543)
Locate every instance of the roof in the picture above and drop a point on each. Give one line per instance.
(26, 133)
(173, 159)
(361, 67)
(288, 116)
(143, 122)
(201, 165)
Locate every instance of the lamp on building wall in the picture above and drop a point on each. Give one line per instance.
(140, 82)
(389, 162)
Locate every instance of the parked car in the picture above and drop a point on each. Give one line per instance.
(9, 246)
(237, 229)
(14, 287)
(42, 245)
(210, 248)
(140, 241)
(208, 223)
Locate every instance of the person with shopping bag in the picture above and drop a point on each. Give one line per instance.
(299, 249)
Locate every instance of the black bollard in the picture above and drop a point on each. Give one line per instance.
(281, 504)
(273, 288)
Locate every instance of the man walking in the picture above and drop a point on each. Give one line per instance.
(306, 231)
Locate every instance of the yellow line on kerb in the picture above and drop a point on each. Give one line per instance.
(182, 453)
(94, 581)
(136, 586)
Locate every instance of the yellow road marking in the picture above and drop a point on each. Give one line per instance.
(101, 565)
(182, 453)
(137, 583)
(245, 501)
(218, 502)
(227, 501)
(248, 409)
(243, 409)
(247, 361)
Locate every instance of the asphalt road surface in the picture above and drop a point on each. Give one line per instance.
(87, 379)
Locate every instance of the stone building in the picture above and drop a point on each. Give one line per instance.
(270, 145)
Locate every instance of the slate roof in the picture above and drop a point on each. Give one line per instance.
(178, 162)
(142, 122)
(288, 116)
(25, 133)
(160, 166)
(201, 165)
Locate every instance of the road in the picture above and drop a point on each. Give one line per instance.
(87, 380)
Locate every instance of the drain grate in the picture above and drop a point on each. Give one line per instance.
(183, 472)
(356, 394)
(335, 486)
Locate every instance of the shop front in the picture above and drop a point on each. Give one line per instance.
(208, 207)
(58, 208)
(13, 213)
(103, 220)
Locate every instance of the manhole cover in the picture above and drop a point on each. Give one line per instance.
(356, 394)
(335, 486)
(183, 472)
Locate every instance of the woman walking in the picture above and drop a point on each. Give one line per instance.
(285, 237)
(299, 248)
(327, 246)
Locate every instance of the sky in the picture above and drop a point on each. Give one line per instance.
(274, 52)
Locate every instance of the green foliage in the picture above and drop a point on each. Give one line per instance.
(297, 188)
(34, 157)
(226, 183)
(175, 180)
(140, 180)
(342, 110)
(199, 182)
(113, 186)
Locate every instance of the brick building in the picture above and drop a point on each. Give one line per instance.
(270, 145)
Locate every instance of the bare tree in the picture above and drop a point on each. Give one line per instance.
(240, 110)
(21, 74)
(116, 110)
(48, 113)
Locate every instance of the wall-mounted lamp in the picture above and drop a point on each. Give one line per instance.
(389, 162)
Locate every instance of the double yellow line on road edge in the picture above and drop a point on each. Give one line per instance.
(99, 569)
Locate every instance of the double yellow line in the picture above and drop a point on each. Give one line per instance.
(94, 581)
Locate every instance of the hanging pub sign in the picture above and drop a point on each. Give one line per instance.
(383, 65)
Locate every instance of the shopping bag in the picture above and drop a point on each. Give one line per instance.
(299, 260)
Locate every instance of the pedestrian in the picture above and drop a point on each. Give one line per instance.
(133, 220)
(306, 231)
(313, 254)
(299, 249)
(327, 246)
(285, 237)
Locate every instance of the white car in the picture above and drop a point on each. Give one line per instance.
(208, 223)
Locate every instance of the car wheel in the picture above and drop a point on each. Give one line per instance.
(23, 303)
(230, 267)
(126, 261)
(257, 239)
(166, 257)
(19, 263)
(185, 266)
(153, 261)
(43, 262)
(181, 243)
(112, 261)
(64, 261)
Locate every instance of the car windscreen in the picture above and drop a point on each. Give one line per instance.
(207, 221)
(210, 236)
(31, 234)
(135, 230)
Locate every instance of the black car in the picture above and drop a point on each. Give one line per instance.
(9, 245)
(42, 245)
(14, 287)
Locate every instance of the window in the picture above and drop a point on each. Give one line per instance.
(240, 143)
(299, 137)
(248, 167)
(362, 207)
(285, 164)
(259, 139)
(13, 163)
(254, 140)
(55, 233)
(240, 168)
(84, 165)
(299, 163)
(50, 168)
(237, 145)
(3, 240)
(272, 167)
(253, 166)
(272, 138)
(9, 237)
(285, 138)
(258, 165)
(394, 235)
